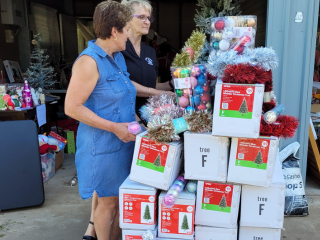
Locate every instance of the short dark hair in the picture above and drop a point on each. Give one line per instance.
(109, 14)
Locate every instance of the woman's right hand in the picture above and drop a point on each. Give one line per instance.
(122, 132)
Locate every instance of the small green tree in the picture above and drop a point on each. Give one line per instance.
(185, 225)
(258, 160)
(244, 107)
(146, 214)
(40, 73)
(157, 162)
(223, 202)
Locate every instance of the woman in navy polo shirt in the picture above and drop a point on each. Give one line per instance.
(140, 58)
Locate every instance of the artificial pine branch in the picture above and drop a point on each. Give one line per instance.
(40, 73)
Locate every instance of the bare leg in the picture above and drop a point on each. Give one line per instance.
(115, 229)
(90, 229)
(104, 215)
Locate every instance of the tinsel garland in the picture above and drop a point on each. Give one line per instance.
(267, 106)
(246, 74)
(196, 42)
(284, 127)
(162, 129)
(264, 58)
(160, 105)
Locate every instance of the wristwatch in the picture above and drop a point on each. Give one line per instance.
(170, 84)
(140, 122)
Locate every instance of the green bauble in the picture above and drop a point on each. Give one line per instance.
(209, 106)
(179, 92)
(185, 73)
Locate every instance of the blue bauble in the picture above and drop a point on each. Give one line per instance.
(216, 46)
(198, 90)
(190, 109)
(201, 80)
(195, 100)
(203, 69)
(191, 187)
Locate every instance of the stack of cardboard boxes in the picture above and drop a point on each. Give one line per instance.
(240, 191)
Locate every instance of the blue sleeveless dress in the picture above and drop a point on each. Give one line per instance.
(103, 161)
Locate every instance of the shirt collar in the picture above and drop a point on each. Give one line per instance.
(99, 50)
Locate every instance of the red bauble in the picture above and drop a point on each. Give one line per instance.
(206, 88)
(219, 25)
(190, 51)
(205, 98)
(202, 107)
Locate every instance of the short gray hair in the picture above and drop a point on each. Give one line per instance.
(140, 3)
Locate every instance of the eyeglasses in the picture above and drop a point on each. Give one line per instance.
(144, 18)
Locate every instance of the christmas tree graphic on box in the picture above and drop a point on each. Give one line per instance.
(146, 215)
(256, 163)
(244, 107)
(185, 224)
(221, 207)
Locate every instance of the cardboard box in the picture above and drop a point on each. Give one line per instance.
(156, 165)
(59, 160)
(237, 110)
(48, 166)
(130, 234)
(315, 108)
(246, 233)
(178, 221)
(138, 206)
(217, 205)
(264, 206)
(71, 146)
(209, 233)
(205, 157)
(252, 160)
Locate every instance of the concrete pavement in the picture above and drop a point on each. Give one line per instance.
(65, 216)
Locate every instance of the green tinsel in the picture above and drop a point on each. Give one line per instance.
(196, 42)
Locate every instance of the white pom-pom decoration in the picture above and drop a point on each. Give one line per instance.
(224, 45)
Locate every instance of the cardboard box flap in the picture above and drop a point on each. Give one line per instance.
(128, 184)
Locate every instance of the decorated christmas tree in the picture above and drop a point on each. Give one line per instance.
(157, 162)
(185, 225)
(146, 214)
(258, 160)
(223, 202)
(210, 9)
(244, 107)
(40, 73)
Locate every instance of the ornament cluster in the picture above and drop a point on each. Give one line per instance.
(232, 32)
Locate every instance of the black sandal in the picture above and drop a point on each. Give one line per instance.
(86, 237)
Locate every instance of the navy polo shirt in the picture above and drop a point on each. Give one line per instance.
(143, 69)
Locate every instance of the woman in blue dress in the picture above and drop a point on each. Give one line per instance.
(102, 97)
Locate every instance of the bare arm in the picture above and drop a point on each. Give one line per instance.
(143, 91)
(83, 81)
(164, 86)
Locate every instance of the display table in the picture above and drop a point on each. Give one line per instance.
(29, 114)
